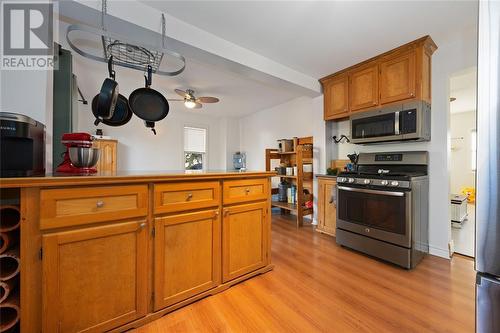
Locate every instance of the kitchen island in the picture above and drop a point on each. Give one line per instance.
(112, 251)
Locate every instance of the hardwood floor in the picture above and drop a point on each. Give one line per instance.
(318, 286)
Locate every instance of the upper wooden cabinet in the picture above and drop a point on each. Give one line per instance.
(397, 78)
(363, 87)
(402, 74)
(336, 97)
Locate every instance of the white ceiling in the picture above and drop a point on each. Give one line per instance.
(239, 95)
(463, 88)
(320, 37)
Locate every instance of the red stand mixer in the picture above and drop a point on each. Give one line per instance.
(80, 157)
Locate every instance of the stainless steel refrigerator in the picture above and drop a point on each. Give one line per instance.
(488, 170)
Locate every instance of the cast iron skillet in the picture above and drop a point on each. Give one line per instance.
(120, 117)
(148, 104)
(108, 95)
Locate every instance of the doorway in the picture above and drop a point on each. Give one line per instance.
(463, 160)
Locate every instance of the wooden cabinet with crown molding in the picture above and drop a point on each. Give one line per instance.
(363, 87)
(336, 97)
(397, 78)
(400, 75)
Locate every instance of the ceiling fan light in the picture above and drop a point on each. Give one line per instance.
(189, 104)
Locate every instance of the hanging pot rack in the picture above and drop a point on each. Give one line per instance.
(125, 52)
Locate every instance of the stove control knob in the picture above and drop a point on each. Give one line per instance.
(366, 181)
(350, 180)
(384, 183)
(394, 183)
(341, 179)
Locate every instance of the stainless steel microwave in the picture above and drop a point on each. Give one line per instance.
(408, 121)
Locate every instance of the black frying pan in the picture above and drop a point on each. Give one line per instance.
(106, 102)
(120, 117)
(148, 104)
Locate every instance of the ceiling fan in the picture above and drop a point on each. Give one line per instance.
(191, 101)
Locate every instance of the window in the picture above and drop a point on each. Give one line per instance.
(195, 148)
(473, 144)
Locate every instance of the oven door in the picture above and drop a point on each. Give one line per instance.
(379, 214)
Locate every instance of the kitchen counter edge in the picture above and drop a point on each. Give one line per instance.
(126, 178)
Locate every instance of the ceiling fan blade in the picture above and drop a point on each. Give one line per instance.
(207, 99)
(175, 100)
(198, 106)
(180, 92)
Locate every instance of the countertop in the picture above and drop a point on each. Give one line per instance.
(127, 177)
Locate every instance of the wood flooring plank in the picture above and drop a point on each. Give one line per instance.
(318, 286)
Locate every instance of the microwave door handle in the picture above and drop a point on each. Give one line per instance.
(396, 123)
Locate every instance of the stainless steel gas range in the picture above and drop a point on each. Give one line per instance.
(383, 207)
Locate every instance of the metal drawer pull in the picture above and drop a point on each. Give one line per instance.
(142, 225)
(100, 204)
(189, 196)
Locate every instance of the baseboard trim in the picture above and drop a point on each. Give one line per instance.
(439, 252)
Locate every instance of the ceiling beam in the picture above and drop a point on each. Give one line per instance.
(143, 23)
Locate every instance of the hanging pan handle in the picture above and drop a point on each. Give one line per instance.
(110, 68)
(149, 77)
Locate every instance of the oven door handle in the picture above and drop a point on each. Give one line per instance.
(363, 190)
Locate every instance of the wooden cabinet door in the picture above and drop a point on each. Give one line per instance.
(244, 239)
(363, 91)
(187, 256)
(107, 157)
(397, 78)
(94, 279)
(327, 206)
(336, 97)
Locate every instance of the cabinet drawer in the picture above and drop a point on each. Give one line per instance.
(185, 196)
(235, 191)
(75, 206)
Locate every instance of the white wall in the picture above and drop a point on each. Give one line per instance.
(138, 148)
(451, 57)
(299, 117)
(461, 174)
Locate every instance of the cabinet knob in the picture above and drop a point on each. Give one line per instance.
(99, 204)
(189, 196)
(216, 213)
(247, 190)
(142, 225)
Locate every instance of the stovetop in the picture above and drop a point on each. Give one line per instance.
(390, 175)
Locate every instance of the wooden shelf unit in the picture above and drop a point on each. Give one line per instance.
(298, 157)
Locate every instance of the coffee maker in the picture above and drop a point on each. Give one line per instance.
(22, 146)
(80, 157)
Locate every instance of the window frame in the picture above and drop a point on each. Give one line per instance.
(204, 155)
